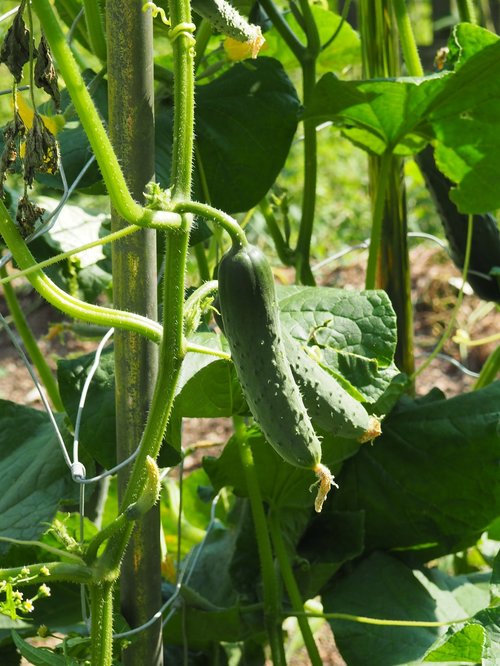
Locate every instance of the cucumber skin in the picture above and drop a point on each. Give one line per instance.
(328, 403)
(485, 249)
(253, 330)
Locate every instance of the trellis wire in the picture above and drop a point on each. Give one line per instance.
(39, 388)
(11, 12)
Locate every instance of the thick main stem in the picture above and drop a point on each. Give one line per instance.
(269, 583)
(172, 345)
(303, 251)
(101, 605)
(131, 121)
(381, 60)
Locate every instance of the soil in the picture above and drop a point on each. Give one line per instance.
(434, 292)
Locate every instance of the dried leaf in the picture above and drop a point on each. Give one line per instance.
(42, 153)
(15, 49)
(26, 215)
(45, 72)
(12, 134)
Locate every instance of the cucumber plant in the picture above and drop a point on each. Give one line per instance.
(298, 408)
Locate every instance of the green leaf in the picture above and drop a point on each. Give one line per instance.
(282, 485)
(465, 645)
(33, 474)
(245, 123)
(98, 429)
(459, 111)
(385, 588)
(40, 656)
(328, 543)
(490, 620)
(430, 483)
(354, 334)
(344, 51)
(377, 115)
(207, 385)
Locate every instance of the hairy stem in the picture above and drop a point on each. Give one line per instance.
(407, 39)
(95, 28)
(73, 307)
(292, 587)
(377, 220)
(93, 126)
(269, 583)
(101, 600)
(302, 253)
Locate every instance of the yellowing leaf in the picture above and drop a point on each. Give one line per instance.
(53, 123)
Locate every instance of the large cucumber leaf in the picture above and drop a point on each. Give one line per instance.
(245, 123)
(353, 334)
(33, 474)
(385, 588)
(207, 385)
(282, 486)
(458, 111)
(430, 483)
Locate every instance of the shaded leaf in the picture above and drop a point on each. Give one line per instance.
(430, 483)
(98, 429)
(282, 486)
(329, 542)
(245, 123)
(33, 474)
(382, 587)
(207, 385)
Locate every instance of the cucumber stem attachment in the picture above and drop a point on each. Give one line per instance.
(224, 220)
(325, 482)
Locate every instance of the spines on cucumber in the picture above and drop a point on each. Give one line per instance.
(327, 402)
(227, 19)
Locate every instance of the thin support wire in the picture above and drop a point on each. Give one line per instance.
(54, 215)
(71, 32)
(39, 388)
(186, 573)
(364, 245)
(11, 12)
(84, 393)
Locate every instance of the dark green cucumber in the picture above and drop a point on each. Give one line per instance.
(251, 324)
(485, 249)
(327, 402)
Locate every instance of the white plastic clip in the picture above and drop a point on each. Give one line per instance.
(78, 471)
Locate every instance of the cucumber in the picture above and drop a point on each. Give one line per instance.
(485, 250)
(227, 19)
(251, 324)
(327, 402)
